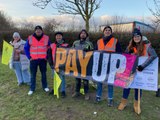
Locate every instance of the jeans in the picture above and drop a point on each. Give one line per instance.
(42, 63)
(63, 83)
(85, 84)
(23, 76)
(99, 90)
(126, 93)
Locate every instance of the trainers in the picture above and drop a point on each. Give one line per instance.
(28, 83)
(20, 84)
(86, 96)
(30, 92)
(76, 94)
(63, 94)
(98, 99)
(46, 89)
(110, 103)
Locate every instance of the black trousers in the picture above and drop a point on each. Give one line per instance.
(85, 84)
(34, 64)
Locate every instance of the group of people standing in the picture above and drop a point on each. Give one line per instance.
(39, 50)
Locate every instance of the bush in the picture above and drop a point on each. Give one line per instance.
(70, 37)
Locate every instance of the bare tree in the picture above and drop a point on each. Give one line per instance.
(156, 25)
(51, 25)
(156, 11)
(6, 24)
(26, 26)
(84, 8)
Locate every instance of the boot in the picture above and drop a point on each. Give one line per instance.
(137, 108)
(63, 94)
(123, 104)
(86, 96)
(51, 92)
(110, 103)
(75, 95)
(98, 99)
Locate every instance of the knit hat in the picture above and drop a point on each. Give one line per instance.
(58, 33)
(136, 32)
(107, 27)
(38, 27)
(83, 30)
(16, 34)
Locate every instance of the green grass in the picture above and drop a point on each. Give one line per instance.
(15, 104)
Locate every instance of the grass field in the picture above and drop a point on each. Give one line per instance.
(15, 104)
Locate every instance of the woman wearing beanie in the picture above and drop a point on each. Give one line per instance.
(110, 44)
(139, 48)
(19, 61)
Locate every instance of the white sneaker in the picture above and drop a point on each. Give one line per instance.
(30, 92)
(46, 89)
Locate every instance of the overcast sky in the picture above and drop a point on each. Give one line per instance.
(23, 9)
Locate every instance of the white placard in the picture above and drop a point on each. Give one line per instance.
(148, 78)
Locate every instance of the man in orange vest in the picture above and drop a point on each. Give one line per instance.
(51, 53)
(36, 50)
(110, 44)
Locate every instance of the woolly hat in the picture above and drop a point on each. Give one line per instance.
(83, 30)
(136, 32)
(58, 33)
(38, 27)
(16, 34)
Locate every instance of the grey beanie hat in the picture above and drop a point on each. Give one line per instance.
(16, 34)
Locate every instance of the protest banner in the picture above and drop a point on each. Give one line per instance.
(98, 66)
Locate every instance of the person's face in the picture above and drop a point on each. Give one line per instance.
(16, 38)
(58, 37)
(83, 35)
(38, 32)
(107, 32)
(137, 38)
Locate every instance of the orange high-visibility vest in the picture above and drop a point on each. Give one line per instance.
(109, 47)
(38, 49)
(54, 47)
(145, 53)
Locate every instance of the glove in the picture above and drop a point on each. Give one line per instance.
(131, 51)
(85, 49)
(140, 68)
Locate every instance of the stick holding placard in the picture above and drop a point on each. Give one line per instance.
(139, 101)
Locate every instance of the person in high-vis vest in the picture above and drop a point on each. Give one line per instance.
(138, 47)
(59, 43)
(36, 50)
(109, 44)
(82, 44)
